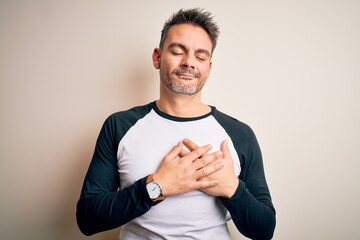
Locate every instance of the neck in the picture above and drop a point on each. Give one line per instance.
(180, 105)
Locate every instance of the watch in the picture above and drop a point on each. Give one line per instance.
(154, 189)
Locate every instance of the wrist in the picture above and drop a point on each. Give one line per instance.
(158, 178)
(231, 189)
(154, 189)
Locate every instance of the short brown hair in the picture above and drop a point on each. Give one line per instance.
(194, 16)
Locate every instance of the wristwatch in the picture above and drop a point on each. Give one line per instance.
(154, 189)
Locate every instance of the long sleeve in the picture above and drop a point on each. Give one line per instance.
(251, 206)
(102, 206)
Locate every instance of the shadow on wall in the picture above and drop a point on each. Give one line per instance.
(142, 84)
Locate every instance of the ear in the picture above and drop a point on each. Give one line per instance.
(156, 58)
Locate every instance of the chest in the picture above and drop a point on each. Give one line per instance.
(145, 145)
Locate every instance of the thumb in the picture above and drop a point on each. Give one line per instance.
(225, 148)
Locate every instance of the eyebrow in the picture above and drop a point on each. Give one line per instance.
(179, 45)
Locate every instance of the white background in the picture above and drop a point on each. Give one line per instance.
(290, 69)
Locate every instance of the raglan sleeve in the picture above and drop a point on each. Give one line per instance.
(102, 206)
(251, 207)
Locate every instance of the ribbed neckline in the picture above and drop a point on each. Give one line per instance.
(180, 119)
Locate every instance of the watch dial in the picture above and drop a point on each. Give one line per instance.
(153, 190)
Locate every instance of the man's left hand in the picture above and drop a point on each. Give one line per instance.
(228, 181)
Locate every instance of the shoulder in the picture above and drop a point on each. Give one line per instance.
(118, 123)
(233, 126)
(129, 116)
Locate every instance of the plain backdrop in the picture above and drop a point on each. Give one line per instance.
(289, 69)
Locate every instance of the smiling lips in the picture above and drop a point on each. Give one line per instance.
(186, 74)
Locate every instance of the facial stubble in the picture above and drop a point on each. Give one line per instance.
(182, 85)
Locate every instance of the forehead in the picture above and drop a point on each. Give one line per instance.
(189, 35)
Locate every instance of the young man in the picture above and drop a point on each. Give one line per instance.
(148, 173)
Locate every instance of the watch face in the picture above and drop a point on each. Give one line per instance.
(153, 189)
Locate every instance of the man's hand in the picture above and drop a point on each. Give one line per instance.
(183, 174)
(228, 181)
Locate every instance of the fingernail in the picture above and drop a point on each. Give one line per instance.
(186, 140)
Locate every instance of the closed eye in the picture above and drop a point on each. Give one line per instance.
(177, 53)
(201, 58)
(176, 49)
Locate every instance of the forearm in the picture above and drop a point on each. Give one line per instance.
(254, 217)
(108, 210)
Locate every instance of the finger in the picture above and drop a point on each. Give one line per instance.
(183, 152)
(175, 151)
(205, 171)
(190, 144)
(193, 155)
(206, 184)
(225, 148)
(207, 159)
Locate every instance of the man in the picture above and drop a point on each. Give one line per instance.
(177, 168)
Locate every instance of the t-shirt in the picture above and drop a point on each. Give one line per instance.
(132, 144)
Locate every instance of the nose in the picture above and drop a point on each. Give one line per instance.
(188, 61)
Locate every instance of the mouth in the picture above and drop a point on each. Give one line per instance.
(185, 76)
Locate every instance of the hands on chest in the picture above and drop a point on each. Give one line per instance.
(183, 170)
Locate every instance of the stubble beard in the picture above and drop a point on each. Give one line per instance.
(181, 87)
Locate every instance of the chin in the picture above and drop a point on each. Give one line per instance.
(181, 90)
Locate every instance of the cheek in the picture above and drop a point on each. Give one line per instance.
(163, 66)
(166, 65)
(170, 60)
(205, 72)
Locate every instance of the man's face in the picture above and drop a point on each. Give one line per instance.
(185, 59)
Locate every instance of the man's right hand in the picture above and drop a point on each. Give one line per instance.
(179, 175)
